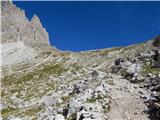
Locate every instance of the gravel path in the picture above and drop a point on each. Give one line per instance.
(126, 102)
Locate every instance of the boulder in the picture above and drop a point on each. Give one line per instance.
(118, 61)
(127, 68)
(95, 74)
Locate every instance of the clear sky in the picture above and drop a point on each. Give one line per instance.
(81, 26)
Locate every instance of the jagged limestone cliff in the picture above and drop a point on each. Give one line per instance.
(23, 40)
(16, 27)
(40, 82)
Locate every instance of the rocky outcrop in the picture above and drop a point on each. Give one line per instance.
(16, 27)
(127, 69)
(22, 40)
(156, 42)
(145, 69)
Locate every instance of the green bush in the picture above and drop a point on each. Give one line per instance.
(156, 42)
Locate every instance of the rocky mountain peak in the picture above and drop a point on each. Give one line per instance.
(6, 5)
(16, 26)
(35, 19)
(40, 33)
(20, 36)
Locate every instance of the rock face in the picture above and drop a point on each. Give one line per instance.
(42, 83)
(17, 52)
(22, 40)
(16, 27)
(127, 68)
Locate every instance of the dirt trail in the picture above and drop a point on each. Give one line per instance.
(35, 65)
(126, 102)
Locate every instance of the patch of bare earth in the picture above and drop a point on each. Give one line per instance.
(126, 102)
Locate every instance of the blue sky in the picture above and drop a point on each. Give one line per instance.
(81, 25)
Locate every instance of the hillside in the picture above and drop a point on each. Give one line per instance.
(40, 82)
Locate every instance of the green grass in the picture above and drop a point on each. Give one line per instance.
(73, 116)
(76, 67)
(33, 111)
(148, 69)
(156, 42)
(106, 52)
(2, 93)
(7, 80)
(66, 98)
(53, 69)
(36, 83)
(110, 82)
(7, 110)
(47, 53)
(10, 80)
(92, 100)
(43, 73)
